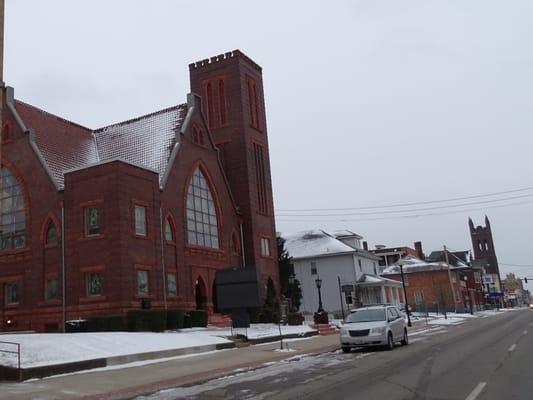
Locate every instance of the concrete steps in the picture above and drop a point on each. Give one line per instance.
(325, 329)
(219, 320)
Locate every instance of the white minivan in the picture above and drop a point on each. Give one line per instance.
(373, 326)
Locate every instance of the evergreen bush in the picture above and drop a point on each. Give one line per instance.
(198, 318)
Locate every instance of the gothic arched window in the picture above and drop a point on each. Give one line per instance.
(169, 230)
(202, 226)
(51, 233)
(12, 212)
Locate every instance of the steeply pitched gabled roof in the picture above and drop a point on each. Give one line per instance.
(145, 141)
(63, 144)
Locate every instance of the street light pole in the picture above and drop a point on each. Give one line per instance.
(405, 298)
(290, 292)
(318, 282)
(340, 295)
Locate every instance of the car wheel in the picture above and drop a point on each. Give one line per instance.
(346, 349)
(390, 341)
(405, 340)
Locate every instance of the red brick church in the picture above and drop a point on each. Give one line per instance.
(100, 221)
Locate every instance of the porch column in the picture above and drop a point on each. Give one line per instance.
(383, 294)
(400, 295)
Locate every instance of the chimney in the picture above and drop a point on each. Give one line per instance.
(419, 252)
(365, 245)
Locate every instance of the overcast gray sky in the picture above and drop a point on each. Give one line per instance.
(368, 102)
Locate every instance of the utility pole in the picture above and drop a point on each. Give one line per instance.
(450, 278)
(2, 7)
(2, 4)
(340, 295)
(405, 297)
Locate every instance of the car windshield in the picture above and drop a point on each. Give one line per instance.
(366, 316)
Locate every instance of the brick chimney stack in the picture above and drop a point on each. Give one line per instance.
(419, 251)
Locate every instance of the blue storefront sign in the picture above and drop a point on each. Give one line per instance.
(496, 294)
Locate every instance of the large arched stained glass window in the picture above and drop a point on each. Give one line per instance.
(12, 213)
(202, 227)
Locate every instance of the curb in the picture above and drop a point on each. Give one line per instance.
(14, 374)
(270, 339)
(201, 377)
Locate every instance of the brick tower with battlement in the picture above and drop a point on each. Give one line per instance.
(483, 245)
(231, 88)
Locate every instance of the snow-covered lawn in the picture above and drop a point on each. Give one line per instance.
(51, 348)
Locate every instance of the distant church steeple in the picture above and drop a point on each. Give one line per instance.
(483, 246)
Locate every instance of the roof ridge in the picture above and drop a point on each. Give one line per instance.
(52, 115)
(135, 119)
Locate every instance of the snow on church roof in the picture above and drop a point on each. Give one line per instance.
(145, 141)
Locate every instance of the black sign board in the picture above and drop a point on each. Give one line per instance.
(237, 288)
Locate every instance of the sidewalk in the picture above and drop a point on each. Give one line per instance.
(127, 382)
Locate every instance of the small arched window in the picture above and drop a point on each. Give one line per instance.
(202, 225)
(169, 230)
(234, 243)
(51, 234)
(12, 212)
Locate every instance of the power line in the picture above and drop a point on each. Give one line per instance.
(516, 265)
(409, 204)
(412, 216)
(412, 209)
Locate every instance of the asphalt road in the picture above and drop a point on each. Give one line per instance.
(482, 359)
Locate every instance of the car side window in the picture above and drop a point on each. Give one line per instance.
(395, 313)
(390, 314)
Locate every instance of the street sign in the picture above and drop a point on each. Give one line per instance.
(347, 288)
(496, 294)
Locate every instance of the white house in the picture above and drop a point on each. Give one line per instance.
(347, 271)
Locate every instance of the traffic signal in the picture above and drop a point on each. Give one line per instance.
(525, 280)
